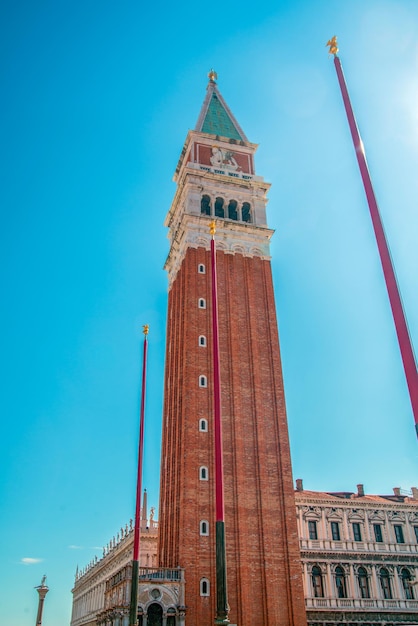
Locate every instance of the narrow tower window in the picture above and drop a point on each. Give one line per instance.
(203, 473)
(202, 303)
(204, 587)
(203, 381)
(205, 205)
(219, 207)
(201, 268)
(204, 528)
(246, 212)
(202, 341)
(203, 425)
(232, 210)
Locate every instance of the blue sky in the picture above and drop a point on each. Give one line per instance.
(97, 100)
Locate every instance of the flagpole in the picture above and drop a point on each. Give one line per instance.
(133, 613)
(222, 607)
(402, 331)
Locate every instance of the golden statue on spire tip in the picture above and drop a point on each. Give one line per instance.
(145, 329)
(213, 77)
(212, 228)
(333, 46)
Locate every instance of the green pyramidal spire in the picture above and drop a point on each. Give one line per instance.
(215, 117)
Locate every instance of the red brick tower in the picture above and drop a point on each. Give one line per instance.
(216, 180)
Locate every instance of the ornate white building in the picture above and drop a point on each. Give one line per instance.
(359, 557)
(102, 590)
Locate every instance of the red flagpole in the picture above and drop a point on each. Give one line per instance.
(222, 608)
(135, 561)
(404, 339)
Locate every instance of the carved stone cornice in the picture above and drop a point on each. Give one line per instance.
(359, 556)
(360, 616)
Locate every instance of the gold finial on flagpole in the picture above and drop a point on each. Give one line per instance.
(333, 46)
(145, 329)
(212, 228)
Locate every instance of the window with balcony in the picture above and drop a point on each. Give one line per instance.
(399, 533)
(385, 583)
(340, 583)
(335, 531)
(356, 531)
(407, 583)
(317, 582)
(313, 533)
(363, 583)
(377, 528)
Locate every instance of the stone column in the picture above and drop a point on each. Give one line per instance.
(42, 591)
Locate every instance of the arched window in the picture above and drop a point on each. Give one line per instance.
(203, 425)
(219, 207)
(202, 303)
(317, 584)
(363, 582)
(232, 210)
(201, 268)
(202, 341)
(246, 212)
(204, 528)
(204, 587)
(340, 582)
(203, 381)
(203, 473)
(155, 614)
(385, 583)
(407, 583)
(205, 205)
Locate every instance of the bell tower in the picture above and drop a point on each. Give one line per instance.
(216, 179)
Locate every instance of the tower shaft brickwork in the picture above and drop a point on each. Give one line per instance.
(216, 179)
